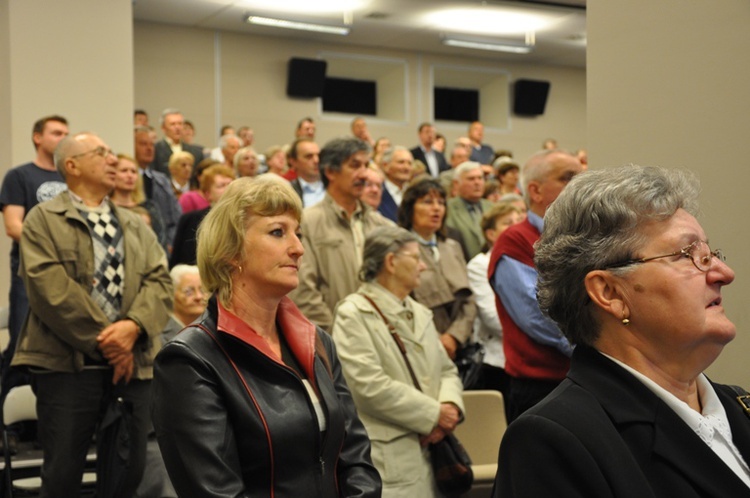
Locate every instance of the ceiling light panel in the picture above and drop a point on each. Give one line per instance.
(488, 20)
(305, 6)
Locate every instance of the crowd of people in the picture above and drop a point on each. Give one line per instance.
(288, 321)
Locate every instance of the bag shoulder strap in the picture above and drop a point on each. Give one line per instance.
(396, 338)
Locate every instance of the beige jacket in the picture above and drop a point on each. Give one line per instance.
(57, 266)
(330, 267)
(444, 288)
(392, 409)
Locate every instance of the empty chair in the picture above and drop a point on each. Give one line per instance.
(480, 433)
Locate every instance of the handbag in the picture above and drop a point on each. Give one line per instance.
(451, 464)
(469, 360)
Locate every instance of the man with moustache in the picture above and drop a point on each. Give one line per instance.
(99, 294)
(334, 231)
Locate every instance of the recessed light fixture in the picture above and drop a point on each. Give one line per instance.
(496, 47)
(304, 26)
(489, 20)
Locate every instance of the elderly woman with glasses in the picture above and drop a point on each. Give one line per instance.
(369, 329)
(626, 272)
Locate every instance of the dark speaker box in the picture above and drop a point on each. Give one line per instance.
(305, 77)
(456, 104)
(530, 97)
(350, 96)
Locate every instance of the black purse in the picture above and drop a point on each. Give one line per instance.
(469, 360)
(451, 464)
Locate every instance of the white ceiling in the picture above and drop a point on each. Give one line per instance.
(392, 24)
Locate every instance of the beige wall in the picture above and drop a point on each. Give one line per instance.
(231, 78)
(73, 58)
(668, 85)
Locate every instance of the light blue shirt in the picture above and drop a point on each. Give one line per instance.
(515, 284)
(312, 193)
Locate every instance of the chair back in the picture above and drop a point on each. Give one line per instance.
(20, 405)
(483, 427)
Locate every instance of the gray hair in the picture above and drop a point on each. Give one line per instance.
(510, 198)
(388, 154)
(595, 222)
(180, 271)
(337, 152)
(465, 167)
(240, 153)
(536, 169)
(166, 112)
(381, 242)
(224, 140)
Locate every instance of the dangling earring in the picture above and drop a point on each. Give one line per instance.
(239, 267)
(625, 321)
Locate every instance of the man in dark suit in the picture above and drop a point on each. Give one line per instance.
(397, 165)
(156, 186)
(434, 160)
(172, 124)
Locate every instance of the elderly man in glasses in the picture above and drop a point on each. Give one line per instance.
(99, 293)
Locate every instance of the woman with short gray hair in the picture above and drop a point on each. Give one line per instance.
(400, 419)
(626, 271)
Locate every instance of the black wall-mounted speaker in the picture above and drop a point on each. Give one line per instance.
(305, 77)
(530, 97)
(456, 104)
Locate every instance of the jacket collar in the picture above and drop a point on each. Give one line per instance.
(63, 204)
(298, 331)
(643, 419)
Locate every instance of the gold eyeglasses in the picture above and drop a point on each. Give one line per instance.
(698, 252)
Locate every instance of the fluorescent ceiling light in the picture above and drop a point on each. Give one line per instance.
(497, 47)
(486, 20)
(306, 6)
(304, 26)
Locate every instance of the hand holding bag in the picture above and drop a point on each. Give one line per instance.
(451, 464)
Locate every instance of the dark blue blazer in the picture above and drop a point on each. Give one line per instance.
(388, 206)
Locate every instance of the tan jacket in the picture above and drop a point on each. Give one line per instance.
(444, 288)
(330, 267)
(57, 266)
(394, 412)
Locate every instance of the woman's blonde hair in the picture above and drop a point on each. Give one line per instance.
(178, 157)
(138, 195)
(221, 235)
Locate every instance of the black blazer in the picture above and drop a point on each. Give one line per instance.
(418, 154)
(162, 153)
(602, 433)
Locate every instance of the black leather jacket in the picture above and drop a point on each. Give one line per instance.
(221, 439)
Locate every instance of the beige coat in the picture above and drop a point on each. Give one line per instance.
(392, 409)
(329, 268)
(444, 288)
(57, 266)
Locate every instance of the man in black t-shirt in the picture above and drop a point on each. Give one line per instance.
(24, 187)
